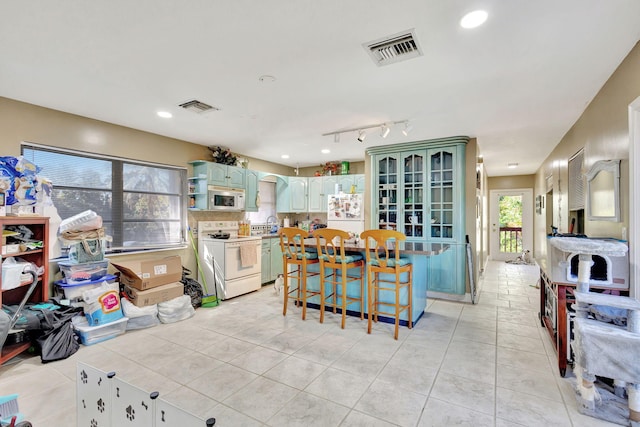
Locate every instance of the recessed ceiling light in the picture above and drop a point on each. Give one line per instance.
(325, 151)
(164, 114)
(474, 19)
(285, 156)
(512, 165)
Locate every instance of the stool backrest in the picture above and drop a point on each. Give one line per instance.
(379, 245)
(330, 242)
(292, 242)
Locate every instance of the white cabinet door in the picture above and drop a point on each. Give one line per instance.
(316, 193)
(298, 194)
(276, 258)
(251, 194)
(235, 177)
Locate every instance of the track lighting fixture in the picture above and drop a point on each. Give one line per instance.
(385, 129)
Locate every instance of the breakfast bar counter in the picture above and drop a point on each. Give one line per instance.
(419, 254)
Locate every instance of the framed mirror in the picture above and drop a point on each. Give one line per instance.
(603, 191)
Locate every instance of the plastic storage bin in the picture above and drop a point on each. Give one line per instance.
(85, 272)
(94, 334)
(72, 291)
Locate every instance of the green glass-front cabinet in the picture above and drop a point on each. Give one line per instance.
(418, 188)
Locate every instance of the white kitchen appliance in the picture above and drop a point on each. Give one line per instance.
(228, 261)
(346, 212)
(225, 199)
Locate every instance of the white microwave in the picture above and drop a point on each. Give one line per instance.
(225, 199)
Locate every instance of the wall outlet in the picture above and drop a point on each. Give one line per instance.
(624, 233)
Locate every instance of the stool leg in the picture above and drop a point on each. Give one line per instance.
(370, 300)
(323, 281)
(344, 295)
(334, 290)
(286, 291)
(303, 290)
(409, 292)
(298, 289)
(362, 292)
(395, 333)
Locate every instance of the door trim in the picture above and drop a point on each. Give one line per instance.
(634, 198)
(527, 220)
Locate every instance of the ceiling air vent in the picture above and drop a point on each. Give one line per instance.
(392, 49)
(198, 106)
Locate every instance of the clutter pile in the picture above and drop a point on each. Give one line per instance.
(154, 291)
(22, 189)
(140, 295)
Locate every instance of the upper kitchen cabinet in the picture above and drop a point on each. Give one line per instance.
(298, 193)
(209, 173)
(320, 187)
(291, 195)
(317, 194)
(252, 192)
(226, 175)
(419, 190)
(197, 190)
(359, 182)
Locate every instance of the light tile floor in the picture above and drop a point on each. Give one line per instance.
(488, 364)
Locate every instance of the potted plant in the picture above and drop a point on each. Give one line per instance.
(223, 155)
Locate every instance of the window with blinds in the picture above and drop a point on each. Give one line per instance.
(576, 182)
(142, 205)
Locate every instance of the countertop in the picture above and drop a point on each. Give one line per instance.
(416, 248)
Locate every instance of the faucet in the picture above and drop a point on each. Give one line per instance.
(272, 221)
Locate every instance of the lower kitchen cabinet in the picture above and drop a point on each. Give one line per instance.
(265, 266)
(271, 259)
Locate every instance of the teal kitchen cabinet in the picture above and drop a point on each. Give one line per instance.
(386, 191)
(418, 188)
(226, 175)
(319, 188)
(412, 198)
(197, 193)
(298, 194)
(283, 196)
(316, 194)
(359, 182)
(276, 258)
(265, 261)
(271, 264)
(252, 192)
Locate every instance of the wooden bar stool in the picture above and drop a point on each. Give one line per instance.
(295, 261)
(334, 258)
(383, 259)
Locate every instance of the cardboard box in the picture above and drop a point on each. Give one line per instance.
(154, 295)
(147, 274)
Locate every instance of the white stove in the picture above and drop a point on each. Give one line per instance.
(228, 261)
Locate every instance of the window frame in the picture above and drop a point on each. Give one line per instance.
(118, 193)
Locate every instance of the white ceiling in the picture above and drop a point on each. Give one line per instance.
(517, 83)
